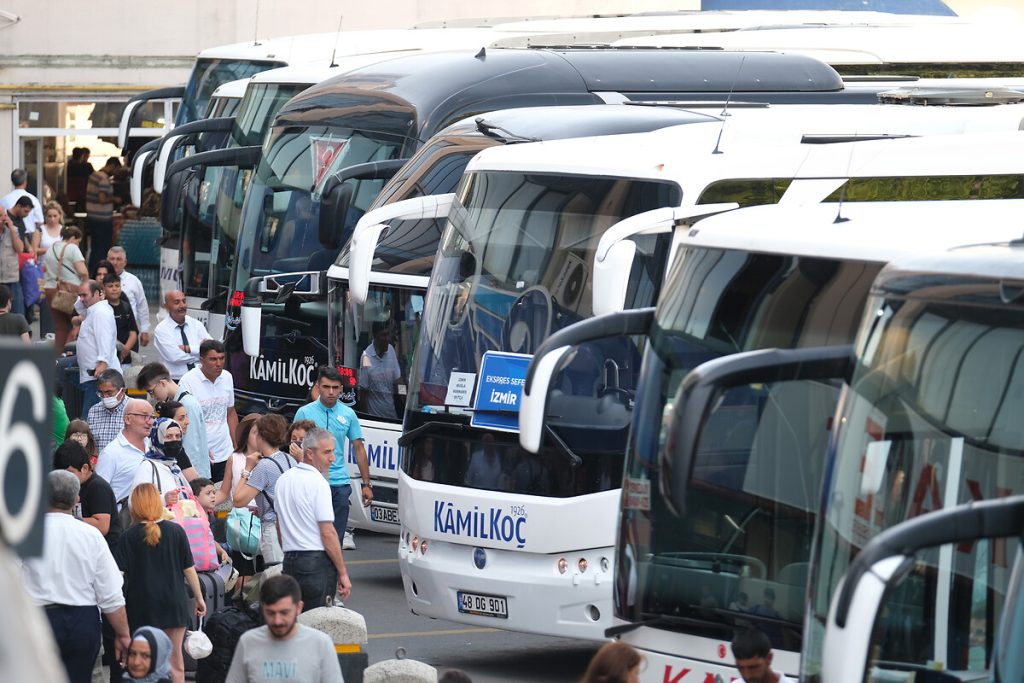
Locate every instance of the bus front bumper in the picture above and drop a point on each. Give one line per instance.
(509, 589)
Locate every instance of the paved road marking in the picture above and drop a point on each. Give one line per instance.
(448, 632)
(350, 563)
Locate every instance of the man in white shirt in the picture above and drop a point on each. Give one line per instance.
(283, 649)
(121, 458)
(752, 651)
(133, 290)
(179, 336)
(19, 178)
(379, 373)
(75, 580)
(215, 391)
(97, 343)
(305, 520)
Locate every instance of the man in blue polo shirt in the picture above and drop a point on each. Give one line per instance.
(341, 421)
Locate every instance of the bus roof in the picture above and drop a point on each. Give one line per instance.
(917, 44)
(764, 144)
(232, 88)
(994, 263)
(437, 89)
(715, 21)
(867, 231)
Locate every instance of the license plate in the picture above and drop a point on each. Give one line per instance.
(379, 513)
(483, 605)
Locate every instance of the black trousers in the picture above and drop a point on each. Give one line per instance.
(101, 238)
(316, 575)
(77, 632)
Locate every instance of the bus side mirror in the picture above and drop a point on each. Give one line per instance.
(613, 260)
(334, 203)
(336, 197)
(548, 360)
(701, 389)
(252, 317)
(139, 167)
(883, 563)
(369, 228)
(171, 199)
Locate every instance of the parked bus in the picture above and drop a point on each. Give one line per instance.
(929, 421)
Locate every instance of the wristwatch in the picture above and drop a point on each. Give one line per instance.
(368, 485)
(246, 473)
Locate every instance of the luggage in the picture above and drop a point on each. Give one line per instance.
(212, 585)
(200, 537)
(223, 629)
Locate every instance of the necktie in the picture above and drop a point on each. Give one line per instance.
(184, 340)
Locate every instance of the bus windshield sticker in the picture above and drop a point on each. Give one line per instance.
(636, 494)
(460, 389)
(500, 390)
(325, 152)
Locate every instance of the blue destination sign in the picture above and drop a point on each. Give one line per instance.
(499, 390)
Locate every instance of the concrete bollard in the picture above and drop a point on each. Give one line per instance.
(348, 631)
(400, 670)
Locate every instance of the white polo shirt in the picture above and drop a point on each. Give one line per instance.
(303, 500)
(118, 463)
(216, 398)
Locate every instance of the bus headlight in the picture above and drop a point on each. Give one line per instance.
(415, 543)
(423, 547)
(605, 564)
(582, 565)
(562, 565)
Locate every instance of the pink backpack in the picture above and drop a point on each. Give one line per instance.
(200, 538)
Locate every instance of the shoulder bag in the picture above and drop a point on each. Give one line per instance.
(63, 300)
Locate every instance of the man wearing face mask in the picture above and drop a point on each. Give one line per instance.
(106, 418)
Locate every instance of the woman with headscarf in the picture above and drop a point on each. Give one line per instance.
(166, 466)
(149, 657)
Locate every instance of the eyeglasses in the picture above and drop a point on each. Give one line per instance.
(148, 416)
(108, 393)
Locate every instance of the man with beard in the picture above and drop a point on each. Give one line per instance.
(283, 649)
(753, 653)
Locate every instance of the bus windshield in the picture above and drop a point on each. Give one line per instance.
(260, 105)
(931, 420)
(207, 75)
(280, 217)
(739, 553)
(513, 266)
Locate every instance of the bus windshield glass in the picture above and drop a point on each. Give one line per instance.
(513, 267)
(376, 342)
(261, 103)
(931, 420)
(738, 554)
(208, 237)
(280, 218)
(207, 75)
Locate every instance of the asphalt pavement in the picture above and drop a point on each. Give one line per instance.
(487, 655)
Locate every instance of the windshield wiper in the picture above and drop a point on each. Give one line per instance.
(564, 447)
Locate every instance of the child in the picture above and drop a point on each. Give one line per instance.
(202, 489)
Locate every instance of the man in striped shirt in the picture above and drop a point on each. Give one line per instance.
(99, 209)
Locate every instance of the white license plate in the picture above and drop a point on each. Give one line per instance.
(483, 605)
(379, 513)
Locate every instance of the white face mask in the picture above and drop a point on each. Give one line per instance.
(111, 402)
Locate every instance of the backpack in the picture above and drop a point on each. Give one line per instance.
(223, 628)
(200, 538)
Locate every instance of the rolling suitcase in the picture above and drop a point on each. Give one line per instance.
(212, 585)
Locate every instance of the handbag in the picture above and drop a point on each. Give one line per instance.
(243, 532)
(31, 276)
(200, 537)
(63, 300)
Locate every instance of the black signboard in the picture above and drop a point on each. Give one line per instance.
(26, 391)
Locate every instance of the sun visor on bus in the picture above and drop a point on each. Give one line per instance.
(701, 70)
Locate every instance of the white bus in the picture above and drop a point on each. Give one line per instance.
(522, 541)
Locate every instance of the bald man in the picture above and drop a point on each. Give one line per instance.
(178, 336)
(122, 456)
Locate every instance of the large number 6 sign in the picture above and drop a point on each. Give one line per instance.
(21, 436)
